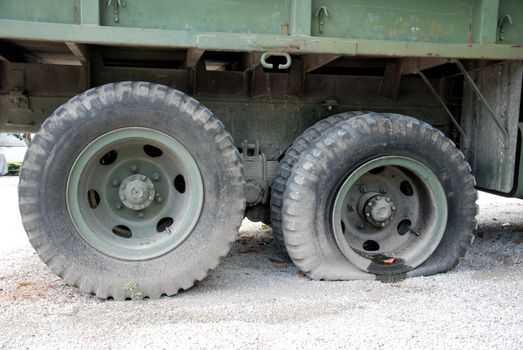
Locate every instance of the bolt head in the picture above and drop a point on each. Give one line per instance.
(118, 205)
(156, 177)
(115, 182)
(142, 178)
(363, 189)
(368, 214)
(140, 214)
(134, 168)
(159, 199)
(361, 226)
(383, 224)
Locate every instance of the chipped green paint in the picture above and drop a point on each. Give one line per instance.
(402, 20)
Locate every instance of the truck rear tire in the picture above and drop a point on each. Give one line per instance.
(132, 184)
(292, 155)
(379, 196)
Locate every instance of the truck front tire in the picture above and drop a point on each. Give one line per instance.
(132, 184)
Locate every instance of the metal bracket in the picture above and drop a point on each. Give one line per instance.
(321, 14)
(255, 173)
(501, 25)
(17, 95)
(116, 8)
(19, 100)
(330, 104)
(479, 95)
(266, 55)
(438, 97)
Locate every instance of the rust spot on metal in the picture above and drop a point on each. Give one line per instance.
(285, 48)
(436, 27)
(285, 28)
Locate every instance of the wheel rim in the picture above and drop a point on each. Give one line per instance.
(389, 215)
(134, 193)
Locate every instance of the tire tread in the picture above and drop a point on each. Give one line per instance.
(95, 99)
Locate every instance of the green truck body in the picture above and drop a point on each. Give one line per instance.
(269, 70)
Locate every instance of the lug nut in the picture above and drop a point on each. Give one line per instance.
(156, 177)
(134, 168)
(115, 182)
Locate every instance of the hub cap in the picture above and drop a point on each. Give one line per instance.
(137, 192)
(378, 210)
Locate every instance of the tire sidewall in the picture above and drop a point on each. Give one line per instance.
(357, 145)
(214, 224)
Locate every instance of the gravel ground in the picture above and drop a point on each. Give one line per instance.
(258, 299)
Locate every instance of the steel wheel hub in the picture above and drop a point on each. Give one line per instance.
(390, 212)
(378, 210)
(137, 192)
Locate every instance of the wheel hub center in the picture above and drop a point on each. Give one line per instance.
(137, 192)
(378, 210)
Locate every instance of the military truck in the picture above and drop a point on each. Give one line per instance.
(360, 130)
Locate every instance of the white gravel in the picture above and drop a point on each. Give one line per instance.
(253, 302)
